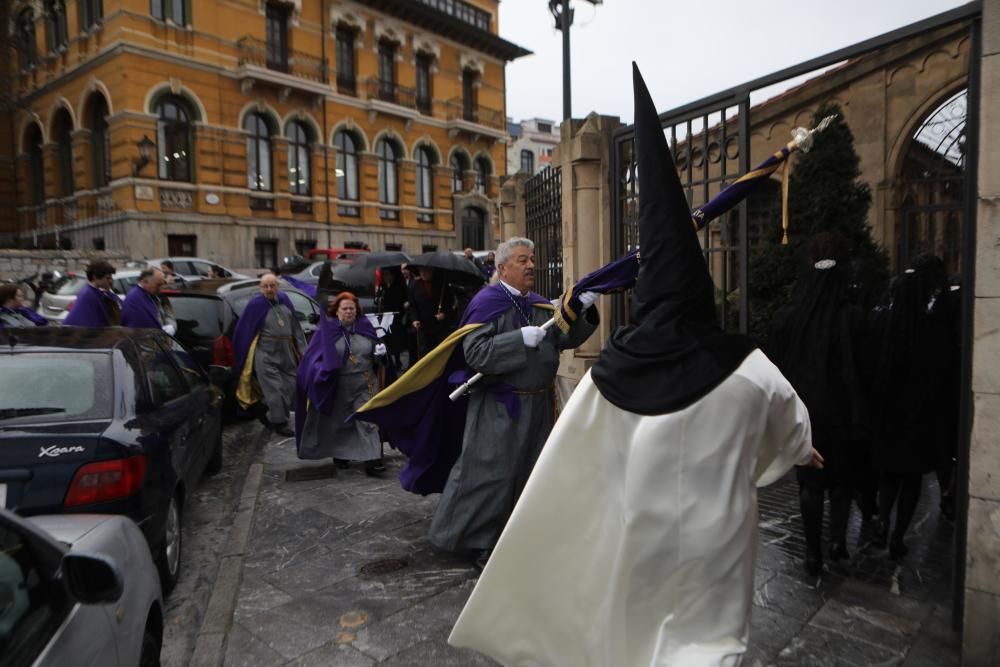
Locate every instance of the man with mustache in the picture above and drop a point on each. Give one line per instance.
(511, 412)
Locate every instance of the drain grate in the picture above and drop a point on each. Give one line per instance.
(382, 566)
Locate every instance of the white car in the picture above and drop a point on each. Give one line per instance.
(195, 267)
(77, 589)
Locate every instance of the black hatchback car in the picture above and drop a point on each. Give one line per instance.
(110, 421)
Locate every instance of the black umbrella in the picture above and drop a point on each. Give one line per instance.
(378, 260)
(359, 275)
(459, 269)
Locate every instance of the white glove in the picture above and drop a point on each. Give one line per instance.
(532, 335)
(170, 329)
(380, 350)
(587, 299)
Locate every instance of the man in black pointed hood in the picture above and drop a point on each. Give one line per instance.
(634, 540)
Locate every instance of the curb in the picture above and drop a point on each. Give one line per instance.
(210, 645)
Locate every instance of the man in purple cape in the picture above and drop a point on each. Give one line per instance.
(144, 308)
(267, 344)
(484, 451)
(96, 305)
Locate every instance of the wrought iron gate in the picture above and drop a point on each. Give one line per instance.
(710, 144)
(543, 213)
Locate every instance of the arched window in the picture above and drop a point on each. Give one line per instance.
(458, 168)
(299, 174)
(62, 130)
(55, 24)
(258, 152)
(100, 141)
(482, 175)
(33, 143)
(425, 184)
(527, 162)
(388, 170)
(173, 139)
(26, 46)
(347, 173)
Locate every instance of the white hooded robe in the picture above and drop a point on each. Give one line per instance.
(633, 543)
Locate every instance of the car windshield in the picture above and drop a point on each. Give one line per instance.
(54, 386)
(67, 285)
(197, 316)
(122, 285)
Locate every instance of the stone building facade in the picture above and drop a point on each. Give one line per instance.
(273, 127)
(531, 145)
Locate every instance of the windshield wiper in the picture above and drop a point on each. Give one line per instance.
(11, 413)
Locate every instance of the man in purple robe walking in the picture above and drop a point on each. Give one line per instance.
(144, 308)
(96, 305)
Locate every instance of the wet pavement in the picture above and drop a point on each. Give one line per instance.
(338, 571)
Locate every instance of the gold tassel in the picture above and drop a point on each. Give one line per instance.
(784, 203)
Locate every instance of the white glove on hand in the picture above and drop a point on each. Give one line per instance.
(380, 350)
(532, 335)
(587, 299)
(170, 329)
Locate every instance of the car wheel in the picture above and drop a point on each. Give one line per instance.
(215, 463)
(168, 560)
(150, 655)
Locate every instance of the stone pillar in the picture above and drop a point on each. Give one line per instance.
(584, 157)
(981, 632)
(83, 168)
(512, 216)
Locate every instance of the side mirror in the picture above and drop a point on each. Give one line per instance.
(219, 376)
(92, 578)
(313, 318)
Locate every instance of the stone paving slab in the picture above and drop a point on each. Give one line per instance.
(339, 572)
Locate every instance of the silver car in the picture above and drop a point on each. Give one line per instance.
(77, 589)
(57, 300)
(195, 267)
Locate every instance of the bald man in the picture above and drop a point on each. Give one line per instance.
(268, 343)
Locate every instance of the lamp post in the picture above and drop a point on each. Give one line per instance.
(563, 15)
(146, 147)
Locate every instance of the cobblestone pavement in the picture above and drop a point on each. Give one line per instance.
(338, 571)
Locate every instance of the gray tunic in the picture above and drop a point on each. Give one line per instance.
(276, 359)
(325, 436)
(10, 318)
(497, 452)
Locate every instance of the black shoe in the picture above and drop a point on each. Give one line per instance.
(480, 558)
(838, 551)
(374, 469)
(282, 429)
(262, 418)
(343, 464)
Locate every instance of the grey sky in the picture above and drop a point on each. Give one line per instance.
(686, 50)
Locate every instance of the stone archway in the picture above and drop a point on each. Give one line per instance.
(931, 186)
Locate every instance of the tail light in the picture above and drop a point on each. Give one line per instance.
(69, 306)
(106, 480)
(222, 351)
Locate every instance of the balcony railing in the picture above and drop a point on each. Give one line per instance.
(458, 110)
(347, 84)
(388, 91)
(253, 51)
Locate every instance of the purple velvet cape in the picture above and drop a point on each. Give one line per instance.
(24, 311)
(249, 325)
(139, 310)
(426, 425)
(90, 309)
(319, 368)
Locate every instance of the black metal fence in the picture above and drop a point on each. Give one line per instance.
(543, 222)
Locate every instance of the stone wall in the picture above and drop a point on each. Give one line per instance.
(981, 632)
(22, 263)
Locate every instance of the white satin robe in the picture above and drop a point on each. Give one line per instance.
(633, 543)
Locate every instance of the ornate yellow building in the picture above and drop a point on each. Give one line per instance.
(245, 130)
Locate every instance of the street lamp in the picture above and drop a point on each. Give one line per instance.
(564, 19)
(146, 147)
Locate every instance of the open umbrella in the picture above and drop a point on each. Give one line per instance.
(361, 272)
(459, 270)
